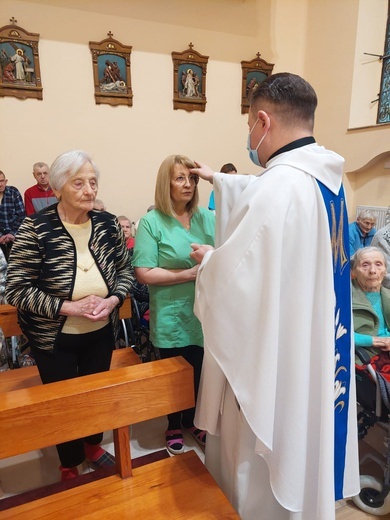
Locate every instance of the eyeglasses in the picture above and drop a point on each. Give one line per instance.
(181, 180)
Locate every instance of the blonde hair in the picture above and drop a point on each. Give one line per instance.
(162, 196)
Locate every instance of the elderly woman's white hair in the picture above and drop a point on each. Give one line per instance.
(355, 260)
(67, 165)
(366, 214)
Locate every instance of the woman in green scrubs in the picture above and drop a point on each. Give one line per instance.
(162, 260)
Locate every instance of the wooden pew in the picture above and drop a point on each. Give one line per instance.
(27, 377)
(177, 488)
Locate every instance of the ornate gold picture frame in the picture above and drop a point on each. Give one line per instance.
(253, 73)
(111, 72)
(20, 75)
(189, 80)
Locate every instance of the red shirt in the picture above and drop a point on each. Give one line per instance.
(36, 198)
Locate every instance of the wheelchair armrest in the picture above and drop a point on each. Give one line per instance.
(363, 355)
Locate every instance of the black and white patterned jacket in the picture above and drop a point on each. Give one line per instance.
(42, 271)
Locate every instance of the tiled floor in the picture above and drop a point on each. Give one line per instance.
(40, 468)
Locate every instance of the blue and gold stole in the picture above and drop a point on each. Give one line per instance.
(338, 226)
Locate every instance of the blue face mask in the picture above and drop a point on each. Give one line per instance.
(253, 155)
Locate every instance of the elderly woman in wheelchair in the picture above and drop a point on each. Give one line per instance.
(370, 301)
(371, 318)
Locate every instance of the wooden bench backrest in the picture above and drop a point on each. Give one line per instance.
(9, 319)
(44, 415)
(125, 309)
(26, 377)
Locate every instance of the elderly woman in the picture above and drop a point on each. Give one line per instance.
(162, 260)
(370, 300)
(68, 273)
(362, 231)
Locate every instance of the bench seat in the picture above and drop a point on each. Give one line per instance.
(178, 488)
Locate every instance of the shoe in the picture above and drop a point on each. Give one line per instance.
(198, 435)
(68, 473)
(106, 460)
(174, 441)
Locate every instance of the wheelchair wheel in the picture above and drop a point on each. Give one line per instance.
(365, 500)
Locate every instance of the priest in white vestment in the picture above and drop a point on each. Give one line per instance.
(277, 394)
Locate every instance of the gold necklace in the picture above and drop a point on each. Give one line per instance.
(86, 269)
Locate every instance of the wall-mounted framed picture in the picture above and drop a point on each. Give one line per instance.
(111, 72)
(189, 80)
(20, 74)
(253, 73)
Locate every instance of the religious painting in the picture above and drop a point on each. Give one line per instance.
(189, 80)
(111, 72)
(383, 115)
(384, 94)
(20, 75)
(253, 73)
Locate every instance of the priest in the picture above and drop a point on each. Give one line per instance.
(277, 394)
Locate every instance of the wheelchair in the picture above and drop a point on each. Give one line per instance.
(14, 352)
(135, 332)
(374, 496)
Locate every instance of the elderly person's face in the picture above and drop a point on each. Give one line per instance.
(79, 191)
(41, 175)
(183, 184)
(365, 224)
(126, 226)
(370, 270)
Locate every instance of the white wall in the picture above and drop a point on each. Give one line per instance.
(128, 144)
(314, 38)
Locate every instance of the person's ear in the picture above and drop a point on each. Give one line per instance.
(264, 119)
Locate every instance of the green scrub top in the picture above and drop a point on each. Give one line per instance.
(163, 242)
